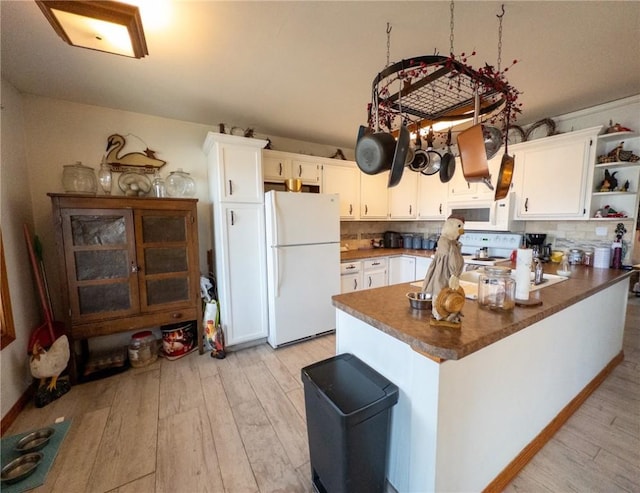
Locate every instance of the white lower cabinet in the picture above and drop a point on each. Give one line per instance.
(375, 273)
(402, 269)
(422, 266)
(350, 276)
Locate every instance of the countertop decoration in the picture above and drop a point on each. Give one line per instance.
(442, 278)
(146, 161)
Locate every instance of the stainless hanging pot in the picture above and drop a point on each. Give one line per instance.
(435, 158)
(420, 157)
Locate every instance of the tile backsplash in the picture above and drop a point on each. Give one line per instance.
(562, 235)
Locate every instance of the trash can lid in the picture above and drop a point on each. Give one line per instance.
(349, 383)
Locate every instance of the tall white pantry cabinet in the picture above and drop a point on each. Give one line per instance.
(237, 195)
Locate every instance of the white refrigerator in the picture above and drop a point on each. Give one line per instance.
(303, 264)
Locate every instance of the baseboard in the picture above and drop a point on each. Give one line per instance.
(522, 459)
(10, 417)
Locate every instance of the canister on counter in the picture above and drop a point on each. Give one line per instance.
(575, 256)
(587, 258)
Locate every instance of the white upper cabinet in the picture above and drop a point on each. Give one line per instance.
(432, 197)
(343, 179)
(403, 198)
(278, 166)
(235, 174)
(308, 171)
(275, 167)
(374, 197)
(553, 176)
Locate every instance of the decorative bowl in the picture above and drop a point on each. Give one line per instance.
(293, 184)
(420, 300)
(20, 468)
(35, 440)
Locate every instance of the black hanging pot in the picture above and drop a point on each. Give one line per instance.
(374, 151)
(448, 163)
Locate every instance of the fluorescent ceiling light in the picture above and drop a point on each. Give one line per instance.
(112, 27)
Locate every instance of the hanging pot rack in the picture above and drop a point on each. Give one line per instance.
(434, 88)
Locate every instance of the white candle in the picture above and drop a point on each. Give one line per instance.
(524, 259)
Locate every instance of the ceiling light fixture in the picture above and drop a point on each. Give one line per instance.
(108, 26)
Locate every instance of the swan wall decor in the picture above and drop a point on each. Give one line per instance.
(146, 160)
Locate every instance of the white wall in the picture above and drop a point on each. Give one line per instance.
(16, 210)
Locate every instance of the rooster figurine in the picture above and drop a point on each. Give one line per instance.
(50, 364)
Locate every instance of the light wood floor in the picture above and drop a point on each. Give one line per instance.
(238, 425)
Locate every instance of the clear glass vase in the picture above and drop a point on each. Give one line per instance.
(104, 177)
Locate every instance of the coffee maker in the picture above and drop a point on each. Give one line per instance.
(535, 241)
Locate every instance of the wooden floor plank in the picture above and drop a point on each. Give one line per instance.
(179, 390)
(235, 384)
(287, 423)
(237, 476)
(279, 371)
(128, 448)
(270, 464)
(147, 484)
(187, 459)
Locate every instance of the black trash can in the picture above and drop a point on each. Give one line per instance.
(348, 406)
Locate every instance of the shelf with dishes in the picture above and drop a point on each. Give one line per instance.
(616, 176)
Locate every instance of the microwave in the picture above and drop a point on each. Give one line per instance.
(485, 215)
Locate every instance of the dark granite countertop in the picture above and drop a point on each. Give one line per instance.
(388, 310)
(382, 252)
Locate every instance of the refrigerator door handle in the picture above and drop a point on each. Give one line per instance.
(276, 268)
(274, 222)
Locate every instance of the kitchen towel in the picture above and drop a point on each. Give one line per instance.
(524, 259)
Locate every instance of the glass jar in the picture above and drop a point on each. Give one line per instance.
(575, 256)
(143, 349)
(180, 184)
(77, 178)
(497, 289)
(104, 177)
(587, 258)
(157, 186)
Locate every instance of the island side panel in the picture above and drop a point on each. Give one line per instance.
(496, 401)
(412, 443)
(458, 424)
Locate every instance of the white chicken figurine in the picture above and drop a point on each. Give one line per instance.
(50, 364)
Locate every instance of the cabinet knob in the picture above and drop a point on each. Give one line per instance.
(134, 268)
(176, 315)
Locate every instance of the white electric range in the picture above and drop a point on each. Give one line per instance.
(499, 247)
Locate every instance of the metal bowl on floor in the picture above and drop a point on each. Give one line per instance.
(35, 440)
(420, 300)
(20, 468)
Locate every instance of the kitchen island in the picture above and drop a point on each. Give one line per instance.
(476, 403)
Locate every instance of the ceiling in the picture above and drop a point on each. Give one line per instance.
(303, 70)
